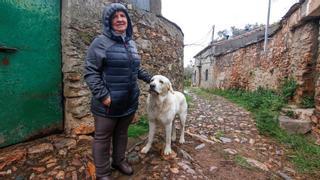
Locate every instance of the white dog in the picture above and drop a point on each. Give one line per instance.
(162, 105)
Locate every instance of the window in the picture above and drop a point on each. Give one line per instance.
(206, 75)
(142, 4)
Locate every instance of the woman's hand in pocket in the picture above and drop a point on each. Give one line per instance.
(107, 101)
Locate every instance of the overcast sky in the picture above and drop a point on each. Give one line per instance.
(196, 17)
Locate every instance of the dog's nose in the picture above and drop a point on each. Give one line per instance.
(152, 86)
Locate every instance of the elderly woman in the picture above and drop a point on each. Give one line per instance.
(112, 67)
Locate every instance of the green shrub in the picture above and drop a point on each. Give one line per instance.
(288, 89)
(187, 82)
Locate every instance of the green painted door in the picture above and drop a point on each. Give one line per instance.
(30, 70)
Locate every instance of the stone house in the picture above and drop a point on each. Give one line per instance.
(42, 60)
(293, 51)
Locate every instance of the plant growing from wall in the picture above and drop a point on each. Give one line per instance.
(307, 102)
(288, 88)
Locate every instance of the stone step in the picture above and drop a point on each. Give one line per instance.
(295, 126)
(299, 113)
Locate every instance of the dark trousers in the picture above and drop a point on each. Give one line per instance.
(105, 129)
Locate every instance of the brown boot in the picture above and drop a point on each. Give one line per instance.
(105, 178)
(124, 168)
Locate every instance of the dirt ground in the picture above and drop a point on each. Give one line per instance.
(222, 142)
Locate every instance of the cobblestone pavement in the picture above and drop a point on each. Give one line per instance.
(222, 142)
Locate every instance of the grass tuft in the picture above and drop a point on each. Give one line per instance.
(140, 128)
(241, 161)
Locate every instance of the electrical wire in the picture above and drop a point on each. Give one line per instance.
(202, 41)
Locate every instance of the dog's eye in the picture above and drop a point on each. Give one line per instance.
(161, 81)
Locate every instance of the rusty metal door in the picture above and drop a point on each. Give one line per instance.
(30, 70)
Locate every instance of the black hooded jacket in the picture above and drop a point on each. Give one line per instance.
(112, 67)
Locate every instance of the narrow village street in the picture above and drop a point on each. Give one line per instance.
(222, 142)
(63, 61)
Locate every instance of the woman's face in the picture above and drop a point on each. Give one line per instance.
(119, 22)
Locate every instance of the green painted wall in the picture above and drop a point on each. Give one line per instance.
(30, 78)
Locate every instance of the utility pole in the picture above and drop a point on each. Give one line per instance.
(211, 56)
(212, 36)
(266, 28)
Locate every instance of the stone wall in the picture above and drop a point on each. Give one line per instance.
(317, 88)
(159, 41)
(292, 52)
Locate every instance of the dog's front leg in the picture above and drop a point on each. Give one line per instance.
(167, 149)
(152, 130)
(174, 132)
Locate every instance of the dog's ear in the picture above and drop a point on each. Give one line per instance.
(170, 87)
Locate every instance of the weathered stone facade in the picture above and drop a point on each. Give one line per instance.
(159, 41)
(293, 51)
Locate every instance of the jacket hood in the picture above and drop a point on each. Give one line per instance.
(108, 11)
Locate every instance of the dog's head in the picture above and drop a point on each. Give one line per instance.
(160, 85)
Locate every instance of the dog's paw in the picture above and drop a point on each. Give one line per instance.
(182, 141)
(145, 149)
(167, 151)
